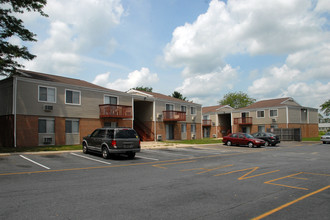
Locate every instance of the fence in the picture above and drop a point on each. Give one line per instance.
(287, 134)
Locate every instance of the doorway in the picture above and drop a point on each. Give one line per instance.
(169, 131)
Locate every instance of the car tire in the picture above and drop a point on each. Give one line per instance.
(324, 142)
(131, 155)
(250, 144)
(85, 148)
(105, 153)
(266, 144)
(228, 143)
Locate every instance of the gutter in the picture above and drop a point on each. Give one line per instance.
(14, 107)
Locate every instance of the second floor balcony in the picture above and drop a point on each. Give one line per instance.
(115, 111)
(207, 122)
(243, 121)
(174, 116)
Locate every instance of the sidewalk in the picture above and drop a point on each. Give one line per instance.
(160, 145)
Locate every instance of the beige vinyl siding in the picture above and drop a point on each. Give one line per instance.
(313, 116)
(28, 104)
(294, 115)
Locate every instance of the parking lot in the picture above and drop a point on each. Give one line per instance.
(291, 181)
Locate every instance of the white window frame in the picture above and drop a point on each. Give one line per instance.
(247, 114)
(276, 113)
(171, 105)
(72, 120)
(192, 107)
(184, 128)
(193, 131)
(71, 90)
(47, 87)
(185, 107)
(47, 120)
(260, 111)
(206, 117)
(110, 96)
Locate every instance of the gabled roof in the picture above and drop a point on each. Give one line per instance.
(158, 96)
(215, 108)
(59, 79)
(270, 103)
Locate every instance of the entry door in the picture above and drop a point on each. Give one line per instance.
(169, 131)
(206, 132)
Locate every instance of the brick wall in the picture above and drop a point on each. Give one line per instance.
(27, 130)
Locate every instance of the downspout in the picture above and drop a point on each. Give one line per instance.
(287, 117)
(132, 112)
(216, 124)
(201, 123)
(155, 121)
(14, 107)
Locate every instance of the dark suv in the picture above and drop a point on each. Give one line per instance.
(112, 141)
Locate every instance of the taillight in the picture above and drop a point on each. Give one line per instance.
(113, 143)
(139, 142)
(272, 137)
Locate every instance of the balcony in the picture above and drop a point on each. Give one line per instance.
(243, 121)
(174, 116)
(115, 111)
(207, 122)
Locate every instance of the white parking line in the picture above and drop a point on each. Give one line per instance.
(90, 158)
(168, 153)
(34, 162)
(148, 158)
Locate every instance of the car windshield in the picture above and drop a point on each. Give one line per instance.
(126, 134)
(249, 136)
(328, 133)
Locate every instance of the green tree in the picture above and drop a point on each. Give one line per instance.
(236, 100)
(11, 26)
(142, 88)
(325, 107)
(178, 95)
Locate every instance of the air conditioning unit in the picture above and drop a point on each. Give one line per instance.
(193, 118)
(214, 135)
(47, 140)
(159, 116)
(193, 136)
(274, 120)
(159, 137)
(48, 108)
(213, 123)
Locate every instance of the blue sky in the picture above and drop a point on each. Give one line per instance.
(201, 48)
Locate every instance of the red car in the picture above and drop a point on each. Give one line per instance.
(242, 139)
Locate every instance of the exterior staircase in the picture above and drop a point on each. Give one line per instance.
(144, 132)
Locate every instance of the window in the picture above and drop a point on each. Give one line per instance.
(169, 107)
(47, 94)
(72, 97)
(72, 126)
(46, 126)
(261, 128)
(184, 108)
(206, 117)
(110, 100)
(193, 128)
(193, 110)
(260, 114)
(273, 113)
(245, 114)
(183, 128)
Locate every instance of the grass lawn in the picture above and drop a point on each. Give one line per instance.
(39, 148)
(312, 139)
(197, 141)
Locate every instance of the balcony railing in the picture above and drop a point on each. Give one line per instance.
(243, 121)
(115, 111)
(207, 122)
(174, 116)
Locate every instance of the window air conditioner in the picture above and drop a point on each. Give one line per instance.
(193, 118)
(48, 108)
(193, 136)
(47, 140)
(273, 120)
(159, 116)
(159, 137)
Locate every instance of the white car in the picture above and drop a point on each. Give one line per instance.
(325, 138)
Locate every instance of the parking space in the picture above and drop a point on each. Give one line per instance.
(217, 180)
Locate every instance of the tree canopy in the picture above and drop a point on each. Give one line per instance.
(237, 100)
(178, 95)
(325, 107)
(11, 26)
(142, 88)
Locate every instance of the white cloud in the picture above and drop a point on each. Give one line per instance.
(136, 78)
(76, 28)
(297, 29)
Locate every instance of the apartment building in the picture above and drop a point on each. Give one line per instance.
(161, 117)
(41, 109)
(216, 121)
(276, 113)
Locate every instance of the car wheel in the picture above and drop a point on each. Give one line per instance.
(274, 145)
(131, 155)
(105, 153)
(266, 143)
(228, 143)
(85, 148)
(324, 142)
(250, 144)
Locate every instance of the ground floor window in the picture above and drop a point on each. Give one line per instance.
(183, 128)
(46, 126)
(261, 128)
(72, 126)
(193, 128)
